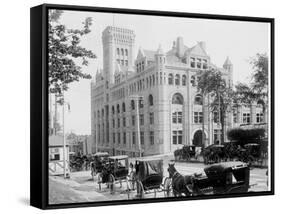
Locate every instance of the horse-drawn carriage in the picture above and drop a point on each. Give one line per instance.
(214, 154)
(115, 170)
(149, 177)
(99, 160)
(187, 152)
(221, 178)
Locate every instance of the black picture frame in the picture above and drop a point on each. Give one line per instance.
(39, 102)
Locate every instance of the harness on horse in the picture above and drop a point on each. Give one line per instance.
(175, 177)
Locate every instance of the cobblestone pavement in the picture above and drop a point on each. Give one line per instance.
(81, 188)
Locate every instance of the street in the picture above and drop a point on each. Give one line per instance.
(81, 188)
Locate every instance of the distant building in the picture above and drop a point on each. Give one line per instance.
(56, 159)
(170, 111)
(80, 144)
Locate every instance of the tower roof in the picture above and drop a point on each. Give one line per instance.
(227, 62)
(160, 50)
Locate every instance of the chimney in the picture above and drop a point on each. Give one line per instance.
(203, 45)
(180, 47)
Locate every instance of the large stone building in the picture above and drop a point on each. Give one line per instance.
(161, 86)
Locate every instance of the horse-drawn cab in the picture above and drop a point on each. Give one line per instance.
(99, 159)
(213, 154)
(149, 176)
(116, 169)
(119, 166)
(223, 178)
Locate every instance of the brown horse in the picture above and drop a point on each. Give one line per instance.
(181, 184)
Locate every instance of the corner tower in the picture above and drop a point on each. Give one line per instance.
(118, 48)
(228, 66)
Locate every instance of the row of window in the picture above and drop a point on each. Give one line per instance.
(122, 62)
(177, 80)
(198, 63)
(156, 79)
(122, 52)
(133, 120)
(140, 105)
(246, 118)
(116, 138)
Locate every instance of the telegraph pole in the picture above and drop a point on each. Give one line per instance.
(137, 98)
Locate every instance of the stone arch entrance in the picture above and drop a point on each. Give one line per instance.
(197, 138)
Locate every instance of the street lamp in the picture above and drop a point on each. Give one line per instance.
(137, 98)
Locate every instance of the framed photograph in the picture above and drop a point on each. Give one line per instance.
(134, 106)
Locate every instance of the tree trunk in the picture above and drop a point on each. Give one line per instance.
(222, 126)
(203, 124)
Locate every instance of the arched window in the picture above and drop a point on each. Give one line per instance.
(118, 108)
(123, 107)
(153, 79)
(126, 52)
(177, 99)
(102, 112)
(132, 104)
(98, 114)
(122, 52)
(198, 100)
(150, 100)
(177, 79)
(112, 109)
(183, 79)
(170, 79)
(193, 80)
(118, 51)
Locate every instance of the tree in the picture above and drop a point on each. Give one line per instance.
(258, 88)
(66, 56)
(260, 75)
(211, 82)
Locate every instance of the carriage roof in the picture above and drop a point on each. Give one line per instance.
(251, 144)
(149, 159)
(149, 167)
(118, 157)
(101, 154)
(224, 167)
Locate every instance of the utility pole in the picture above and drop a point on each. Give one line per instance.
(137, 98)
(64, 140)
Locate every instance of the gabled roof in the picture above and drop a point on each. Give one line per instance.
(149, 54)
(197, 50)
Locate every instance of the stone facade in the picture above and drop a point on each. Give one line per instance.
(169, 105)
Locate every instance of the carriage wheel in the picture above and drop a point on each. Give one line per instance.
(99, 180)
(140, 190)
(206, 160)
(188, 157)
(250, 161)
(111, 184)
(216, 159)
(167, 187)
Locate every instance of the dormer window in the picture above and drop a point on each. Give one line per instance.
(199, 63)
(192, 62)
(205, 65)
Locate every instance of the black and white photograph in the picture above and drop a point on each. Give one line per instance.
(144, 107)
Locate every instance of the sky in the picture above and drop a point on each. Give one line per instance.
(238, 40)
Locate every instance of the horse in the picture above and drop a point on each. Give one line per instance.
(180, 183)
